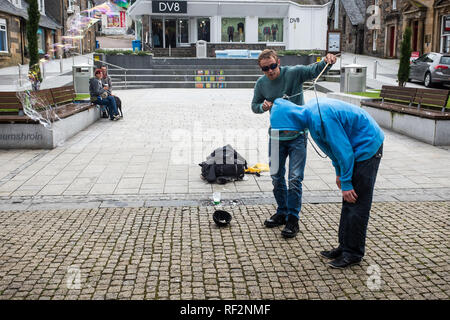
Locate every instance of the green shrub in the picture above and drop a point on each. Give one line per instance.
(123, 52)
(405, 55)
(298, 52)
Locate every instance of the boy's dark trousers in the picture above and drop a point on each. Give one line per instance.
(355, 216)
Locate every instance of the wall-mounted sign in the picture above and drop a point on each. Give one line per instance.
(293, 20)
(334, 41)
(169, 6)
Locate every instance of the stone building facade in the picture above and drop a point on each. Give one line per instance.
(64, 11)
(383, 28)
(13, 21)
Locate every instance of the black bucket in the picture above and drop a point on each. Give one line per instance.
(221, 218)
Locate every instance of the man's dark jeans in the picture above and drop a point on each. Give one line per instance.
(110, 104)
(355, 216)
(289, 201)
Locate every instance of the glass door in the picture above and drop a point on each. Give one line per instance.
(171, 33)
(183, 32)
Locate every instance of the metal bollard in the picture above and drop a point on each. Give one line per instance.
(354, 60)
(375, 66)
(170, 51)
(61, 65)
(20, 74)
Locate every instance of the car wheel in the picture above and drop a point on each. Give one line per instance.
(427, 80)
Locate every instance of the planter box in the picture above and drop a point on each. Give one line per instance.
(130, 61)
(297, 60)
(431, 130)
(36, 136)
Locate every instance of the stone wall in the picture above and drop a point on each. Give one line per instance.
(14, 54)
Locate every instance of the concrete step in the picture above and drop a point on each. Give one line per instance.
(331, 78)
(183, 84)
(211, 71)
(154, 77)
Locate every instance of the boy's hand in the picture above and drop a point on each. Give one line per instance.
(350, 196)
(267, 105)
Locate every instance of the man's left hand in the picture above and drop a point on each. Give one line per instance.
(330, 58)
(350, 196)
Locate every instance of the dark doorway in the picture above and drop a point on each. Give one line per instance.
(360, 41)
(415, 35)
(392, 42)
(171, 33)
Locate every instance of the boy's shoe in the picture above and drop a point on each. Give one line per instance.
(331, 254)
(343, 262)
(276, 220)
(291, 228)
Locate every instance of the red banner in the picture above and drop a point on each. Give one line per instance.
(123, 18)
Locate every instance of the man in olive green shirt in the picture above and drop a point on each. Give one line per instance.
(277, 82)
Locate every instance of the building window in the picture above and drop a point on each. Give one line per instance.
(233, 29)
(41, 41)
(270, 30)
(113, 20)
(394, 4)
(3, 36)
(203, 29)
(70, 6)
(41, 6)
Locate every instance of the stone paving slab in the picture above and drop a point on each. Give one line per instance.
(156, 148)
(179, 253)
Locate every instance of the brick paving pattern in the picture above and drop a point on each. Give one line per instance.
(179, 253)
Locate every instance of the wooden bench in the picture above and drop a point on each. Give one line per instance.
(60, 102)
(412, 101)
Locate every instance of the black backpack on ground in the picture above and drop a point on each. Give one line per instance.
(223, 165)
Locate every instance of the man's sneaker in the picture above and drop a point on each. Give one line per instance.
(343, 262)
(331, 254)
(291, 228)
(276, 220)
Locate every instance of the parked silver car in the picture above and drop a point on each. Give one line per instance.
(431, 68)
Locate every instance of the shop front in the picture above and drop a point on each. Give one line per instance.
(278, 23)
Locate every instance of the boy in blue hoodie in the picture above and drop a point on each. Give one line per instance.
(354, 142)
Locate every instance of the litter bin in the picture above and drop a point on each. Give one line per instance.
(201, 49)
(81, 75)
(353, 78)
(137, 46)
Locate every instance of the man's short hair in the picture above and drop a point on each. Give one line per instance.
(267, 54)
(97, 71)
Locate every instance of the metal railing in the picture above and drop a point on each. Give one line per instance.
(107, 63)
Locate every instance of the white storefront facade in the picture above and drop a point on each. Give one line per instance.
(274, 22)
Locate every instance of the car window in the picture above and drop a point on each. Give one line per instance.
(445, 60)
(431, 57)
(422, 58)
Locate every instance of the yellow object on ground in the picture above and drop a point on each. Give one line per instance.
(264, 167)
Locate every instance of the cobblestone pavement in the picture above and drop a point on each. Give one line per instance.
(178, 253)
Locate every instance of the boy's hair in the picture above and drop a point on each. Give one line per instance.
(267, 54)
(97, 71)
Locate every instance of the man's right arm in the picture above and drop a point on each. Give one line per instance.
(258, 100)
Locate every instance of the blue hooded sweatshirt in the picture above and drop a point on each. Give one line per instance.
(347, 133)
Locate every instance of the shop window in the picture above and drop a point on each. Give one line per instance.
(270, 30)
(3, 36)
(233, 29)
(203, 29)
(113, 21)
(41, 41)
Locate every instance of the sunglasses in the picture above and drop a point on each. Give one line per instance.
(273, 66)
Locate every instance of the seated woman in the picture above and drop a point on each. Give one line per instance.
(101, 97)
